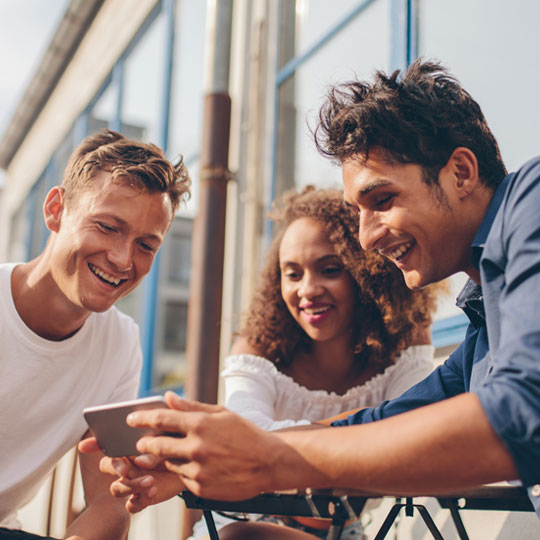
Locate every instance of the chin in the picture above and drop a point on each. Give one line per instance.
(414, 281)
(96, 307)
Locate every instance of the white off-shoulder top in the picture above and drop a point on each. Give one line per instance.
(255, 389)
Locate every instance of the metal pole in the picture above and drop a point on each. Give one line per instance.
(206, 284)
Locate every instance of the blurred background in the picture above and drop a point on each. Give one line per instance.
(144, 67)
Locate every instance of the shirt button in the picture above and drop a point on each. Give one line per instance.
(535, 490)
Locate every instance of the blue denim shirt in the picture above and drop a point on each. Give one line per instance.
(499, 360)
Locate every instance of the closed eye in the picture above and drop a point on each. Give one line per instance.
(147, 247)
(380, 203)
(106, 228)
(292, 275)
(332, 271)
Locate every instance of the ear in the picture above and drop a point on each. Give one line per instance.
(463, 169)
(53, 208)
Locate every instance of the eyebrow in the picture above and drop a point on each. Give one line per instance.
(376, 184)
(324, 258)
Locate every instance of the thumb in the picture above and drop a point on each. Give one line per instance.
(88, 446)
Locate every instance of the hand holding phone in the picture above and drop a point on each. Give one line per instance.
(109, 427)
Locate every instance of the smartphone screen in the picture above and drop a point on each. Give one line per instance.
(108, 425)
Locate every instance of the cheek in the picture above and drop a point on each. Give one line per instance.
(288, 294)
(143, 264)
(346, 292)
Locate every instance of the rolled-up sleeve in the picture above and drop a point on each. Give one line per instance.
(510, 267)
(444, 382)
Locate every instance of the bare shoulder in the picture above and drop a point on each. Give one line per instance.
(241, 346)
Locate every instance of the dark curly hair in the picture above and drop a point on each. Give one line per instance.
(387, 313)
(420, 116)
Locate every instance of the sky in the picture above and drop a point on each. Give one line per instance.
(26, 29)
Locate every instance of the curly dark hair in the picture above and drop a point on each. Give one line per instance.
(387, 313)
(420, 116)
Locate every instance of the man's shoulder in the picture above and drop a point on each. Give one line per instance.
(527, 176)
(115, 321)
(7, 267)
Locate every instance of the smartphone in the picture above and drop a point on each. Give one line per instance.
(109, 427)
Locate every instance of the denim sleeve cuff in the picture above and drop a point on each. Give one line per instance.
(514, 415)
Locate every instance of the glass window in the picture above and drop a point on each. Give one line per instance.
(490, 46)
(187, 90)
(179, 259)
(356, 52)
(175, 326)
(144, 71)
(314, 19)
(170, 358)
(104, 110)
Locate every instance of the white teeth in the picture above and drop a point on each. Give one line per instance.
(111, 279)
(316, 311)
(397, 253)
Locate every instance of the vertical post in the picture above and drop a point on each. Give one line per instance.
(399, 35)
(284, 121)
(404, 25)
(206, 284)
(151, 284)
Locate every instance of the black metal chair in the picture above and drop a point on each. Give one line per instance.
(342, 505)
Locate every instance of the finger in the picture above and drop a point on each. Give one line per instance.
(174, 401)
(113, 466)
(164, 447)
(146, 461)
(164, 420)
(88, 446)
(125, 486)
(137, 502)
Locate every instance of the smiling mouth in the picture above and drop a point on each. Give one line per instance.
(315, 311)
(400, 252)
(106, 278)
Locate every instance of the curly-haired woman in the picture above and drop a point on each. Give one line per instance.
(330, 328)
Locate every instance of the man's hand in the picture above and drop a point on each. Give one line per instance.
(215, 452)
(143, 479)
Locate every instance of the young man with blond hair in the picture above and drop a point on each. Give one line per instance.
(64, 344)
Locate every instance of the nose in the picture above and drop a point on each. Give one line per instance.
(121, 256)
(309, 286)
(370, 230)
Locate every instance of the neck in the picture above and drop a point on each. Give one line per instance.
(474, 274)
(478, 204)
(40, 303)
(335, 357)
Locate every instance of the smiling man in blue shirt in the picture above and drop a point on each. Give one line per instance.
(425, 174)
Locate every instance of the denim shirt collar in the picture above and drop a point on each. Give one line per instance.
(471, 299)
(483, 231)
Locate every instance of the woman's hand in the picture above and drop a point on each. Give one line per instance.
(143, 479)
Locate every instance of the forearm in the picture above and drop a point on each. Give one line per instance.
(104, 519)
(440, 448)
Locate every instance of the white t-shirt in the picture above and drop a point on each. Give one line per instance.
(255, 389)
(44, 386)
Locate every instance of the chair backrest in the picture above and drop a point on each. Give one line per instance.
(61, 499)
